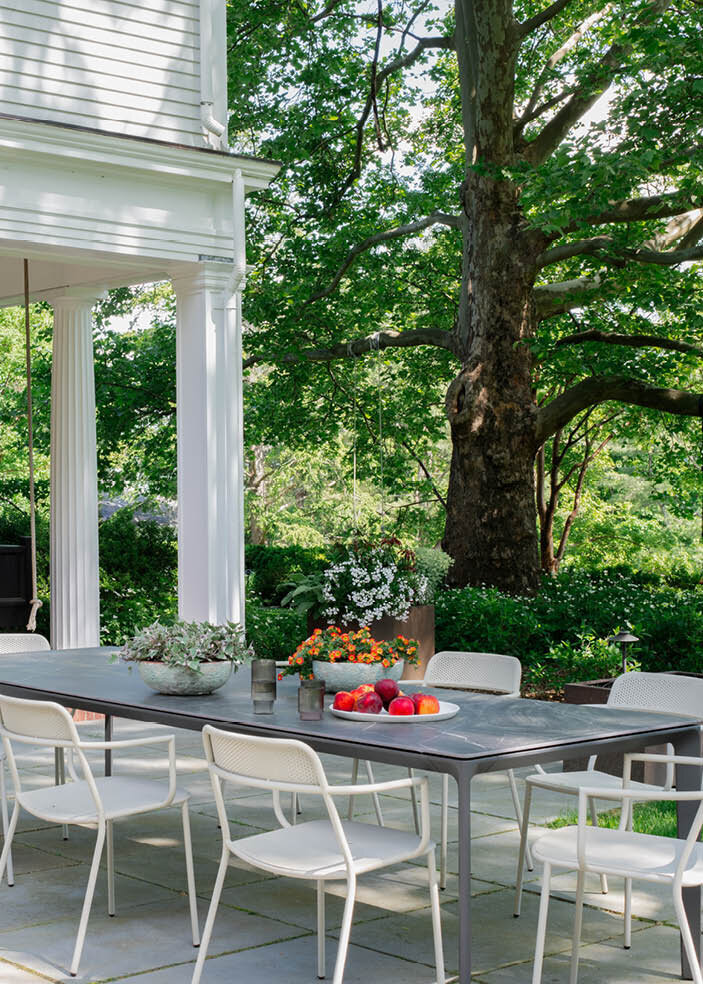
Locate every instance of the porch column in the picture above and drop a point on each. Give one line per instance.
(75, 585)
(210, 448)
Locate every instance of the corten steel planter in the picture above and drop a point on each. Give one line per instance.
(418, 625)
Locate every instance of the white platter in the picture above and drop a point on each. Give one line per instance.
(446, 711)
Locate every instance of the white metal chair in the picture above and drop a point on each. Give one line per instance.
(625, 853)
(492, 673)
(88, 801)
(16, 642)
(636, 691)
(317, 850)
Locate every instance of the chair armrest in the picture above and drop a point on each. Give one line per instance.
(169, 740)
(376, 787)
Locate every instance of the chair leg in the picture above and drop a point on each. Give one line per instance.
(413, 800)
(321, 929)
(88, 900)
(578, 919)
(6, 855)
(594, 821)
(60, 779)
(211, 913)
(190, 875)
(5, 821)
(518, 816)
(110, 844)
(521, 853)
(436, 916)
(687, 938)
(628, 914)
(354, 780)
(345, 931)
(374, 796)
(444, 834)
(293, 809)
(542, 924)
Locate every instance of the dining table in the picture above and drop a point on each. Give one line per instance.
(486, 734)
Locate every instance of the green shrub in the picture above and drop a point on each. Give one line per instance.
(269, 568)
(576, 611)
(274, 632)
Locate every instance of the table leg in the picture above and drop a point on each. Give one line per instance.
(464, 823)
(689, 777)
(108, 751)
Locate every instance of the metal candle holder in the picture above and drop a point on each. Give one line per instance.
(311, 699)
(263, 685)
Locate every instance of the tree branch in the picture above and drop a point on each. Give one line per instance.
(577, 248)
(377, 78)
(409, 229)
(344, 350)
(557, 298)
(587, 95)
(602, 389)
(634, 341)
(641, 209)
(413, 454)
(532, 23)
(670, 257)
(554, 59)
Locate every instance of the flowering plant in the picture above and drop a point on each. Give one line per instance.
(372, 581)
(332, 645)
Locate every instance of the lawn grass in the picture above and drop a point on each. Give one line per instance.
(649, 818)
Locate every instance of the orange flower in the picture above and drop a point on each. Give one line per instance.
(280, 676)
(300, 661)
(386, 662)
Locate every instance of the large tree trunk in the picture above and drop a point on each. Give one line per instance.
(491, 529)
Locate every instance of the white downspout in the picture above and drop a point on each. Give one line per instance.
(207, 100)
(235, 423)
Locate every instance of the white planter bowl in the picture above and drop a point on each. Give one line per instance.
(348, 676)
(180, 680)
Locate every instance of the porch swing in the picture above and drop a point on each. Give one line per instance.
(18, 563)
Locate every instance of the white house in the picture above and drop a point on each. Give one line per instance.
(115, 170)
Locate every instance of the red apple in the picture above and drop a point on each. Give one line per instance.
(415, 698)
(387, 690)
(401, 705)
(426, 704)
(369, 703)
(343, 701)
(365, 688)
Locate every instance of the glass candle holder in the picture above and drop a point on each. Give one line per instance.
(263, 685)
(311, 699)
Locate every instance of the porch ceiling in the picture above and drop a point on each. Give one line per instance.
(51, 270)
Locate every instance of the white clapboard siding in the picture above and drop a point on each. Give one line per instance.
(123, 66)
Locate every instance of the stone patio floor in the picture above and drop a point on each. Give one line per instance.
(265, 927)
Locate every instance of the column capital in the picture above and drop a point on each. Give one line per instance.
(209, 275)
(75, 297)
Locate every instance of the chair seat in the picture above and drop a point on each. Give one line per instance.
(621, 852)
(311, 850)
(573, 781)
(121, 796)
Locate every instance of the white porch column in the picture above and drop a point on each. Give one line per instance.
(210, 448)
(75, 586)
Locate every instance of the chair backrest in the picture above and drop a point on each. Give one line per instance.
(273, 762)
(36, 721)
(43, 723)
(474, 671)
(22, 642)
(658, 692)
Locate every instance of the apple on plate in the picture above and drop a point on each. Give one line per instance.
(343, 701)
(401, 705)
(426, 704)
(369, 703)
(387, 690)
